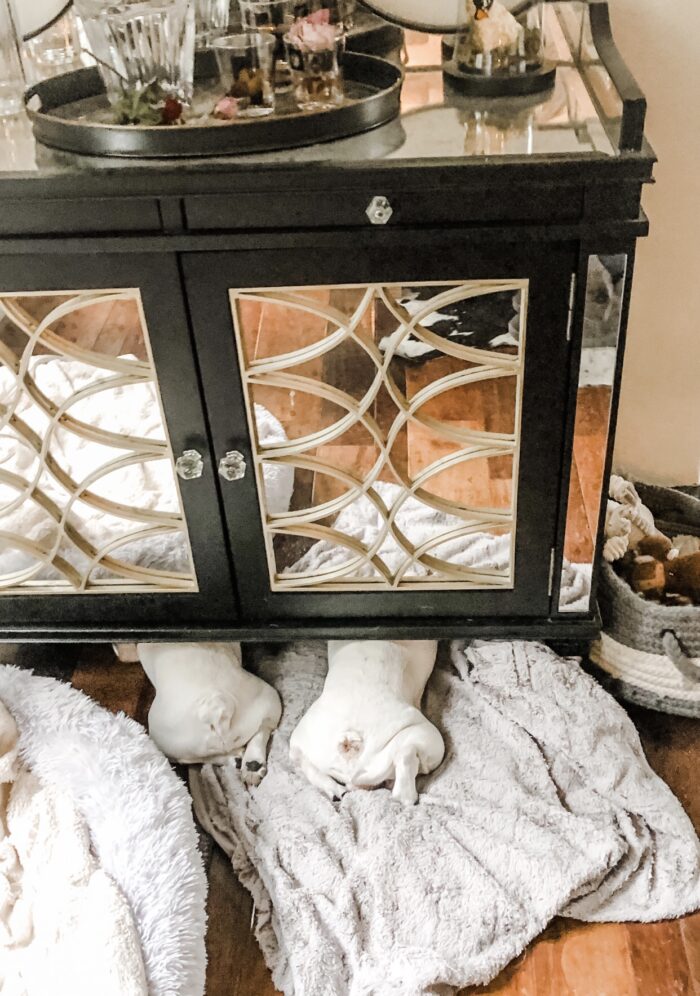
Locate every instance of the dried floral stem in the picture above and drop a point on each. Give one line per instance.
(106, 65)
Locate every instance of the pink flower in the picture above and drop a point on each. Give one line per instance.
(314, 33)
(226, 109)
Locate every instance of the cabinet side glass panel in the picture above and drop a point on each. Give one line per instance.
(385, 422)
(89, 500)
(601, 328)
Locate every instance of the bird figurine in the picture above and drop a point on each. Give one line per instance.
(482, 9)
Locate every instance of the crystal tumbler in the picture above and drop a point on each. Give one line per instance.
(137, 42)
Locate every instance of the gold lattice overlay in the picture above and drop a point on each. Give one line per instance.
(89, 502)
(402, 435)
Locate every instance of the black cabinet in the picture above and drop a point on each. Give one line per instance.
(367, 387)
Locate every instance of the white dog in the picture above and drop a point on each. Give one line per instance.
(366, 727)
(207, 707)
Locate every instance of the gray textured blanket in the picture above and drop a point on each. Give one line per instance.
(544, 805)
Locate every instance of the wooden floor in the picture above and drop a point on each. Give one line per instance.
(568, 959)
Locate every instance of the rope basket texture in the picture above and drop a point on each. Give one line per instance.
(653, 651)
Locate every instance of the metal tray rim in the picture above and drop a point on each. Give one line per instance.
(347, 120)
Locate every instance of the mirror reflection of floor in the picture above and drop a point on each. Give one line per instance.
(111, 328)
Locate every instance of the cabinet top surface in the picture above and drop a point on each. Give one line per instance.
(580, 118)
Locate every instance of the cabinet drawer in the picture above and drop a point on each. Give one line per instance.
(348, 207)
(79, 217)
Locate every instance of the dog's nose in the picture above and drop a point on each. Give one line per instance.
(253, 765)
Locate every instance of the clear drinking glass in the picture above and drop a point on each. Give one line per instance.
(275, 16)
(11, 73)
(137, 42)
(245, 67)
(313, 52)
(272, 17)
(211, 20)
(55, 50)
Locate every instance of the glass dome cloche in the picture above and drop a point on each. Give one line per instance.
(492, 48)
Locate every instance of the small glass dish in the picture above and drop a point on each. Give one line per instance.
(245, 68)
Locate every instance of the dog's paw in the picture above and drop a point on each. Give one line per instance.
(407, 795)
(339, 792)
(331, 788)
(253, 772)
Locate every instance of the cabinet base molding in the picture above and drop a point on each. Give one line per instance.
(577, 632)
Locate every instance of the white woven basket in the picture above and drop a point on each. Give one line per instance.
(652, 651)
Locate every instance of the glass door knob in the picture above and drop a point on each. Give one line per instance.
(379, 210)
(189, 465)
(232, 466)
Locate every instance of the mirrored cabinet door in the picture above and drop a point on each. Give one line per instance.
(97, 490)
(393, 413)
(600, 337)
(388, 422)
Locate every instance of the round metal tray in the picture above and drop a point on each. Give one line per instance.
(68, 113)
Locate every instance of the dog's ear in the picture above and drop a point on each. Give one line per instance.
(218, 712)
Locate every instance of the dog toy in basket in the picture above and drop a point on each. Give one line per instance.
(650, 596)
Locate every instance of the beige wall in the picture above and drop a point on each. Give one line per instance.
(658, 435)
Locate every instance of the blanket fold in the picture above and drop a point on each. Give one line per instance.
(65, 927)
(544, 805)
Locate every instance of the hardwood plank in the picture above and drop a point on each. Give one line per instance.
(250, 320)
(118, 687)
(595, 961)
(235, 963)
(568, 959)
(690, 934)
(590, 443)
(122, 332)
(659, 962)
(578, 542)
(354, 459)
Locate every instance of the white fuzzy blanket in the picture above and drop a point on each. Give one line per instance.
(419, 523)
(141, 832)
(65, 926)
(544, 805)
